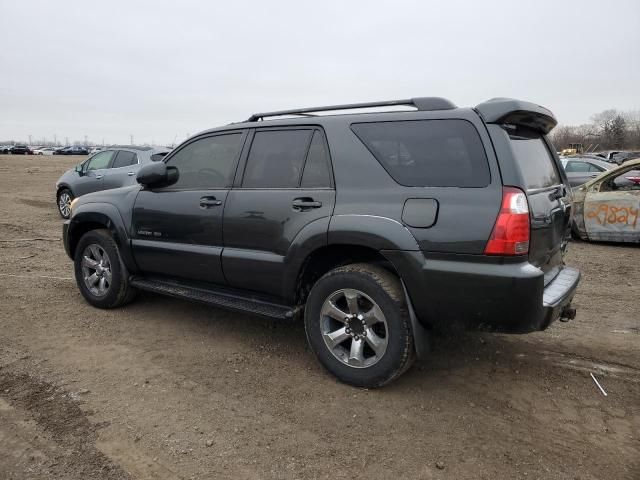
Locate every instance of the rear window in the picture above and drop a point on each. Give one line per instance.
(124, 159)
(533, 158)
(428, 153)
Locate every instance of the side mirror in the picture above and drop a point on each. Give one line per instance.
(157, 174)
(79, 168)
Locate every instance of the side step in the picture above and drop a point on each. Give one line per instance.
(218, 297)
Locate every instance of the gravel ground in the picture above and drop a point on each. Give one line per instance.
(168, 389)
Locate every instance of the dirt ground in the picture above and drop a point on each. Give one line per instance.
(165, 389)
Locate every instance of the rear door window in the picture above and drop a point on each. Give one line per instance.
(276, 159)
(534, 160)
(428, 153)
(124, 159)
(577, 167)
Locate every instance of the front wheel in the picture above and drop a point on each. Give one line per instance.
(358, 325)
(100, 273)
(65, 197)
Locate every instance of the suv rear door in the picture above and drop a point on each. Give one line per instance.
(286, 184)
(549, 197)
(177, 230)
(122, 171)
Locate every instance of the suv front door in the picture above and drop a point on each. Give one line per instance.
(286, 186)
(177, 230)
(92, 173)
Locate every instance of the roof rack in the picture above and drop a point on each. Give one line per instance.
(421, 103)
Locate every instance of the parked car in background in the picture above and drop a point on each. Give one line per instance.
(44, 151)
(20, 150)
(5, 148)
(380, 226)
(608, 208)
(112, 168)
(74, 150)
(582, 169)
(94, 150)
(622, 157)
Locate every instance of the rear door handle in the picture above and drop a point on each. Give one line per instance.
(98, 177)
(207, 202)
(131, 174)
(305, 203)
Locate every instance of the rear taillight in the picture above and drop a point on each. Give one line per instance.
(510, 235)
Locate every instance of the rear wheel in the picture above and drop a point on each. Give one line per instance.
(358, 326)
(65, 197)
(100, 274)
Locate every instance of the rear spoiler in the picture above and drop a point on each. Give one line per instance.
(517, 112)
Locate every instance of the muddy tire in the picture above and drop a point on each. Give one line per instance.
(358, 326)
(100, 273)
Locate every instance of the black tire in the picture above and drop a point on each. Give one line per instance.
(383, 288)
(119, 291)
(65, 191)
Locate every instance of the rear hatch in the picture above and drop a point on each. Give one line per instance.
(549, 198)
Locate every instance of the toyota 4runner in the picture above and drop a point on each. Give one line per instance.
(376, 227)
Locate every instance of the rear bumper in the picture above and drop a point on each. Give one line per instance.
(558, 294)
(467, 293)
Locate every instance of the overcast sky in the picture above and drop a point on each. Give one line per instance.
(159, 70)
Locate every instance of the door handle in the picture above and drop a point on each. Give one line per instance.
(305, 203)
(131, 174)
(98, 177)
(207, 202)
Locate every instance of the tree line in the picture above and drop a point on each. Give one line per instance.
(608, 130)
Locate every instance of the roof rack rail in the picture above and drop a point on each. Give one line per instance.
(421, 103)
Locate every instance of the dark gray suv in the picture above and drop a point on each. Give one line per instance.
(376, 228)
(111, 168)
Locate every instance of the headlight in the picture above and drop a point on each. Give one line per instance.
(73, 203)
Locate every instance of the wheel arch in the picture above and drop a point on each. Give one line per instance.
(100, 216)
(64, 186)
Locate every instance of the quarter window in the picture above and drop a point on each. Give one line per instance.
(276, 159)
(428, 153)
(124, 159)
(208, 162)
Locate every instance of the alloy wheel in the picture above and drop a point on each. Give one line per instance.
(64, 204)
(354, 328)
(96, 270)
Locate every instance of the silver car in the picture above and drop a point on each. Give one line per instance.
(111, 168)
(580, 170)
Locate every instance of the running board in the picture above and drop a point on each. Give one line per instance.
(218, 297)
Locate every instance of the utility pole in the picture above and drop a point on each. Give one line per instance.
(85, 141)
(29, 139)
(66, 141)
(131, 138)
(55, 139)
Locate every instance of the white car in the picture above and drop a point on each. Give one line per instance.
(44, 151)
(95, 150)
